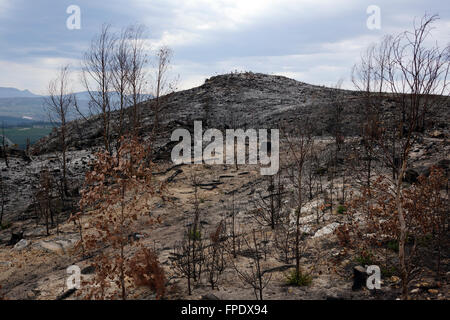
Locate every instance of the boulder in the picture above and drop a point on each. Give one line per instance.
(59, 246)
(437, 134)
(15, 237)
(326, 230)
(22, 244)
(88, 270)
(411, 176)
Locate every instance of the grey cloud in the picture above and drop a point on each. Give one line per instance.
(271, 42)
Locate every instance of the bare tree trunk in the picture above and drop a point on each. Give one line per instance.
(5, 154)
(402, 238)
(2, 194)
(297, 225)
(97, 67)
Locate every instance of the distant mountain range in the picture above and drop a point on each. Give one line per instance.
(22, 107)
(16, 93)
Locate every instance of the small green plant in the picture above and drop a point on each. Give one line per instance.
(195, 235)
(5, 226)
(365, 258)
(298, 279)
(393, 245)
(388, 271)
(341, 209)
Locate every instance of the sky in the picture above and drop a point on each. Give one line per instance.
(314, 41)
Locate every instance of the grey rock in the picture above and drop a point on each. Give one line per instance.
(88, 270)
(15, 237)
(59, 246)
(22, 244)
(411, 176)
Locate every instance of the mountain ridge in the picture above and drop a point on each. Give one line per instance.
(33, 106)
(10, 92)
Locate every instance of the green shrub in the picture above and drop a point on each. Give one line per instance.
(5, 226)
(393, 245)
(298, 279)
(388, 271)
(365, 258)
(341, 209)
(195, 235)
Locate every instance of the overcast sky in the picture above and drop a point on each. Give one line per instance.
(308, 40)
